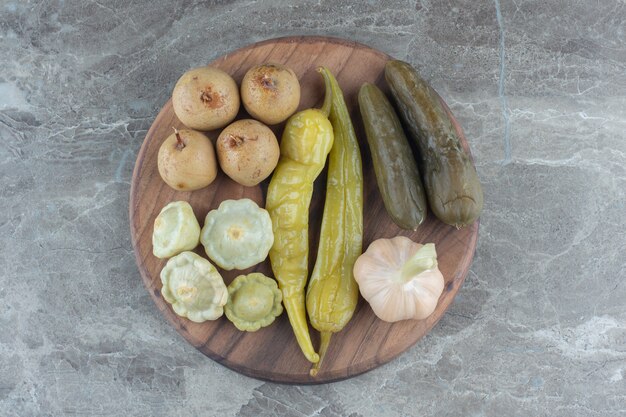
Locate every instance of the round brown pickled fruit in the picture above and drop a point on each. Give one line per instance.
(186, 160)
(270, 93)
(206, 98)
(247, 151)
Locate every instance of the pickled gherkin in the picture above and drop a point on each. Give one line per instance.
(452, 185)
(396, 171)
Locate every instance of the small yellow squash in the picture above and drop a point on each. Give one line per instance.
(193, 287)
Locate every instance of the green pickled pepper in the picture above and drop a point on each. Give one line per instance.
(332, 293)
(306, 142)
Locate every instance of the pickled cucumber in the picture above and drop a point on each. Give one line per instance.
(396, 171)
(452, 185)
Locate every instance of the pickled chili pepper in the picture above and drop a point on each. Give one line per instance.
(305, 144)
(332, 293)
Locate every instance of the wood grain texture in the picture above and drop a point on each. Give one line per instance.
(272, 352)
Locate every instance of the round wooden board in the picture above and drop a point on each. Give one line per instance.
(272, 352)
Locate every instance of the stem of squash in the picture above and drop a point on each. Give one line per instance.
(421, 261)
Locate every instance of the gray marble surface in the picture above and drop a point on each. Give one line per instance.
(539, 327)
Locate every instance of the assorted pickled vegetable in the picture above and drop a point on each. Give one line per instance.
(306, 142)
(176, 229)
(332, 292)
(237, 235)
(395, 168)
(399, 278)
(452, 185)
(254, 301)
(193, 287)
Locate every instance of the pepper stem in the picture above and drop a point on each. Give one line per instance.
(329, 91)
(424, 259)
(325, 341)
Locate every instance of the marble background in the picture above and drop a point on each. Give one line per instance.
(539, 327)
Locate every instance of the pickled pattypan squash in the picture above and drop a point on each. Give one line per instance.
(238, 234)
(399, 278)
(176, 229)
(193, 287)
(254, 301)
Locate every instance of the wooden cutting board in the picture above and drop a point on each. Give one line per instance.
(272, 352)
